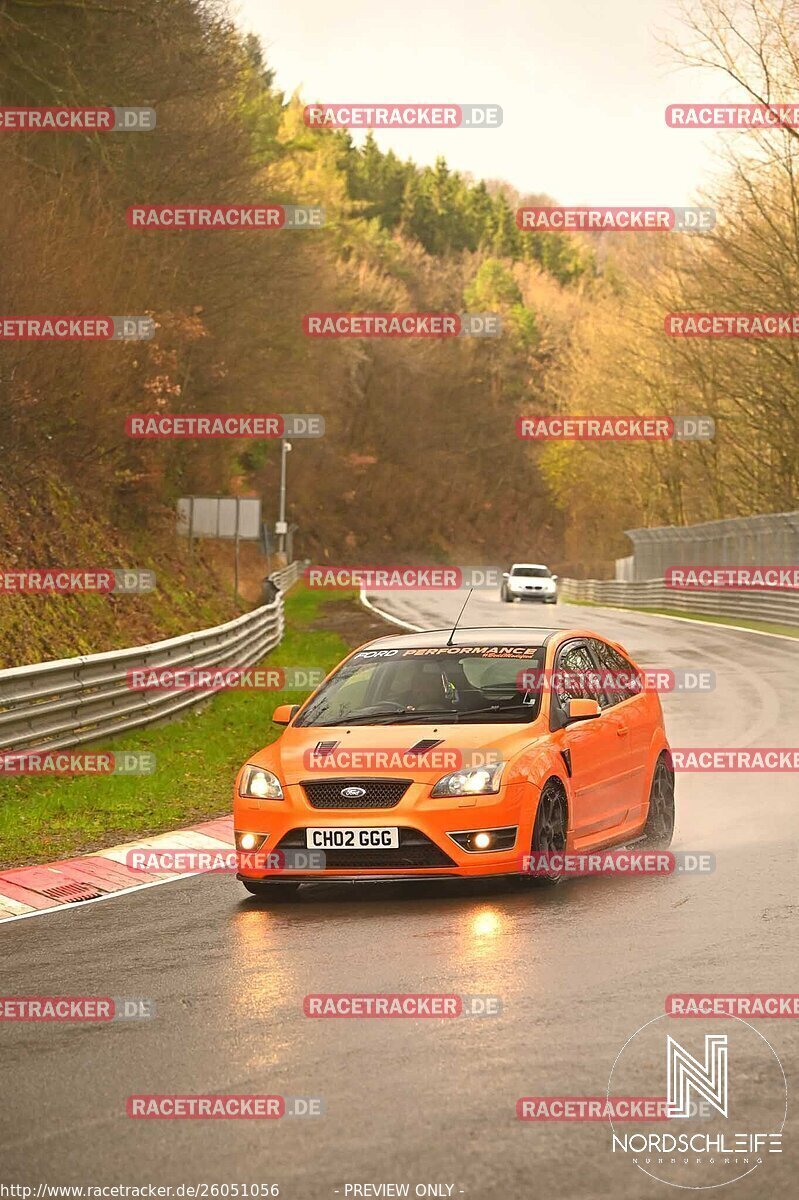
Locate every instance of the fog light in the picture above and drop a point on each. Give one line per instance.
(250, 841)
(481, 841)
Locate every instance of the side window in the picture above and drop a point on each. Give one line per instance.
(573, 668)
(627, 681)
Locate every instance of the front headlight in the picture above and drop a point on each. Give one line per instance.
(478, 781)
(260, 784)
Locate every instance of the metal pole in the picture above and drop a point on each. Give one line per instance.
(281, 545)
(236, 567)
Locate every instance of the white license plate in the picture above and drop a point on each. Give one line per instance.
(352, 837)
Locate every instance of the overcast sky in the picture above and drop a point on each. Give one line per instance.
(583, 85)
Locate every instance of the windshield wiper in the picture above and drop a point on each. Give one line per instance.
(390, 718)
(351, 720)
(408, 718)
(374, 710)
(497, 711)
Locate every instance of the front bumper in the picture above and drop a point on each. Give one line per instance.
(374, 877)
(532, 594)
(426, 850)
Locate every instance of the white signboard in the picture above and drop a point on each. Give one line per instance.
(220, 517)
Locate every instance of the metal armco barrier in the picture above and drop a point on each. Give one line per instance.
(759, 605)
(64, 703)
(288, 576)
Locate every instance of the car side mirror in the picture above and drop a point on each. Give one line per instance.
(506, 574)
(582, 710)
(284, 713)
(554, 576)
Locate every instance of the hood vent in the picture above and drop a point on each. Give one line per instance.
(325, 747)
(425, 745)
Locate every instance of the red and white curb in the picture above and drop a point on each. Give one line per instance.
(73, 882)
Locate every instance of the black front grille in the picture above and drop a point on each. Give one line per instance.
(378, 793)
(415, 850)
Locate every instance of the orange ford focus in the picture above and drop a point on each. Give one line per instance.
(439, 754)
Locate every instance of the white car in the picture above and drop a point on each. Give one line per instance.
(529, 581)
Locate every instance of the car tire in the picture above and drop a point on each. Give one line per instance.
(276, 892)
(503, 595)
(549, 830)
(659, 827)
(552, 601)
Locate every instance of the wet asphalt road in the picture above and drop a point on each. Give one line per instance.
(578, 970)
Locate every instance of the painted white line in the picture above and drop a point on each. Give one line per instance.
(180, 839)
(367, 603)
(645, 612)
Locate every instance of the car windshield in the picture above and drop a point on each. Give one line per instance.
(421, 686)
(533, 572)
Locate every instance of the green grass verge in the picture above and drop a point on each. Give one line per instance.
(197, 758)
(736, 622)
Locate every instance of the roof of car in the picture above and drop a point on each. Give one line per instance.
(540, 566)
(495, 635)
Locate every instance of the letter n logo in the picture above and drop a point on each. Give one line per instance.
(708, 1080)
